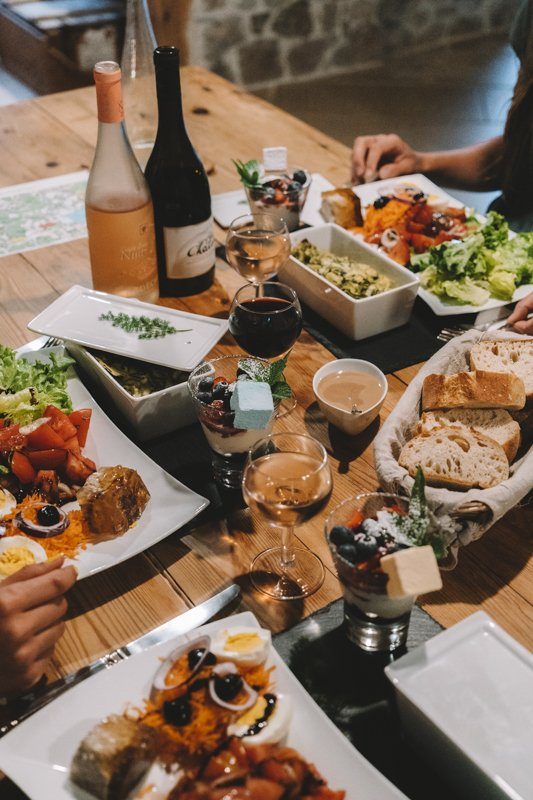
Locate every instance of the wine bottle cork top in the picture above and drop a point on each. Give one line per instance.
(107, 77)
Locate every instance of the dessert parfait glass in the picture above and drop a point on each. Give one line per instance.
(283, 193)
(229, 445)
(374, 621)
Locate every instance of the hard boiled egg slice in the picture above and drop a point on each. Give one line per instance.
(17, 552)
(246, 646)
(267, 722)
(7, 503)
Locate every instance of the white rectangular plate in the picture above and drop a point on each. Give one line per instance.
(474, 684)
(171, 504)
(37, 755)
(368, 192)
(74, 316)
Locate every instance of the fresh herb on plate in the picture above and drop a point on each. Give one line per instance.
(268, 373)
(249, 172)
(417, 528)
(26, 387)
(144, 327)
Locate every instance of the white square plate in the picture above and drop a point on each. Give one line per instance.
(74, 316)
(171, 504)
(466, 700)
(369, 192)
(38, 753)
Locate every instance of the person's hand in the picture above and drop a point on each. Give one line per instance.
(382, 156)
(32, 605)
(518, 319)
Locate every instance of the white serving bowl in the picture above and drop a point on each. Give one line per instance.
(352, 424)
(357, 319)
(150, 416)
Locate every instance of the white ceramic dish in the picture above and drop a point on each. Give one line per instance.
(150, 416)
(368, 192)
(74, 316)
(466, 701)
(171, 504)
(357, 319)
(37, 754)
(352, 424)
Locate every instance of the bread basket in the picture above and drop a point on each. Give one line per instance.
(463, 516)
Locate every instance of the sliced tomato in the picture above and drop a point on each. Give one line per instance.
(47, 459)
(81, 420)
(2, 422)
(356, 520)
(44, 438)
(423, 214)
(89, 463)
(446, 236)
(60, 422)
(400, 252)
(422, 243)
(73, 445)
(22, 467)
(11, 438)
(75, 471)
(456, 213)
(416, 227)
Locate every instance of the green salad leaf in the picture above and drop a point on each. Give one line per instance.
(486, 263)
(26, 388)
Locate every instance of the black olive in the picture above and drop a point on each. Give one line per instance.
(228, 686)
(419, 196)
(210, 659)
(194, 656)
(381, 202)
(177, 712)
(48, 515)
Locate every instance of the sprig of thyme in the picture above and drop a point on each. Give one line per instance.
(268, 373)
(144, 327)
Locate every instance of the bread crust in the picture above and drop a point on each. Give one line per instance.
(478, 389)
(459, 418)
(509, 355)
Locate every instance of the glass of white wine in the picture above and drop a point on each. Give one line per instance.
(287, 480)
(257, 245)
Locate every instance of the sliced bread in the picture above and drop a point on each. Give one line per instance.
(506, 355)
(456, 459)
(493, 422)
(480, 389)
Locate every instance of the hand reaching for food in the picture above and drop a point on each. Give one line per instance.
(521, 319)
(32, 607)
(383, 156)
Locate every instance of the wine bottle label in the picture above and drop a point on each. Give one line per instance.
(189, 251)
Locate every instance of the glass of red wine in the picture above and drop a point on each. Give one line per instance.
(266, 320)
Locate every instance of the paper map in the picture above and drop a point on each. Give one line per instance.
(42, 213)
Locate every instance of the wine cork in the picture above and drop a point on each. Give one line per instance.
(108, 77)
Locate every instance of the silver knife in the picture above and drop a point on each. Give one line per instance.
(169, 630)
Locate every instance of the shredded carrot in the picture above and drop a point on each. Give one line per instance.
(391, 215)
(75, 538)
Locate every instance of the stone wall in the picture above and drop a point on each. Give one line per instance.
(259, 43)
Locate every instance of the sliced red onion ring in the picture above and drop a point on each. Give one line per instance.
(389, 238)
(42, 531)
(201, 642)
(225, 669)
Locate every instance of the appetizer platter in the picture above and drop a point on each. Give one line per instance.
(71, 483)
(214, 714)
(466, 262)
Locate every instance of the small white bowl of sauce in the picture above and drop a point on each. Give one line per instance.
(350, 393)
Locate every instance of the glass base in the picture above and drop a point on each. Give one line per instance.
(227, 471)
(285, 407)
(301, 579)
(375, 634)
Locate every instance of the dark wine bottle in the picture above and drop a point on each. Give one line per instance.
(180, 192)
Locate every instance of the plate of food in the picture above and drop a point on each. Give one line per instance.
(466, 262)
(215, 713)
(466, 421)
(71, 483)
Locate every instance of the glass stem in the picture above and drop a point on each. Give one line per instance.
(287, 550)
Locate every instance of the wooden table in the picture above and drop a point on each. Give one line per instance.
(56, 134)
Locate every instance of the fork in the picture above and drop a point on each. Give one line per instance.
(447, 334)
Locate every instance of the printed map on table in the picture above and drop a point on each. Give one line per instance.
(42, 213)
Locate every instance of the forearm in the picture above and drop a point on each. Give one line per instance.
(477, 168)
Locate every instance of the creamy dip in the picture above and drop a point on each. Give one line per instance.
(351, 391)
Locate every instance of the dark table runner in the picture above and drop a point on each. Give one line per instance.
(351, 687)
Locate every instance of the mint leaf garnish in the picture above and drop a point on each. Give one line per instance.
(249, 172)
(268, 373)
(416, 527)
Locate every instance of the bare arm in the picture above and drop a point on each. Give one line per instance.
(387, 156)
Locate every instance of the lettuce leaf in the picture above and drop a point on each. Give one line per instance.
(502, 284)
(27, 388)
(495, 231)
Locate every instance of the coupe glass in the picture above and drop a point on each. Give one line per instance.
(257, 245)
(374, 621)
(287, 480)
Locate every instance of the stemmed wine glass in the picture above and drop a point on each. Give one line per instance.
(257, 245)
(287, 479)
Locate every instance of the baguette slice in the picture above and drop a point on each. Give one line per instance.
(342, 206)
(456, 459)
(507, 355)
(479, 389)
(496, 423)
